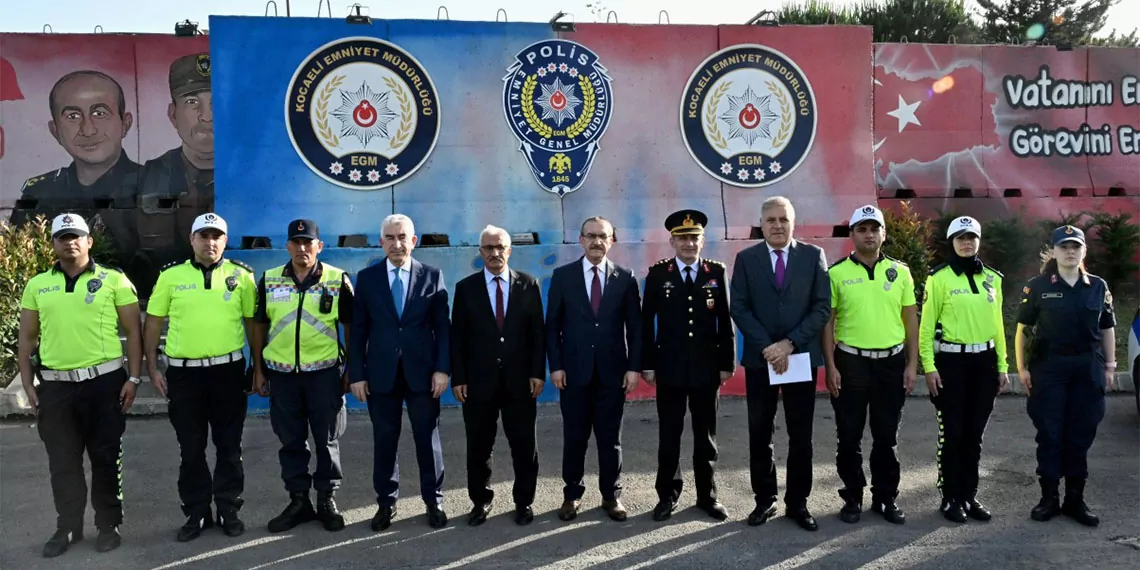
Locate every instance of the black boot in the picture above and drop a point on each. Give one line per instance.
(300, 510)
(1050, 505)
(59, 541)
(327, 512)
(1075, 507)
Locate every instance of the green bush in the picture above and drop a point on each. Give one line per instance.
(908, 238)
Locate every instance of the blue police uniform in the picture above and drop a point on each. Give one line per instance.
(1067, 367)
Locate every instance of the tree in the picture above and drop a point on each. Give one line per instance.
(1113, 40)
(920, 21)
(1070, 22)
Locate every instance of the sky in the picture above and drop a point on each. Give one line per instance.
(82, 16)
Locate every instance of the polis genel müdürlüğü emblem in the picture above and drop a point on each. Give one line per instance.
(362, 113)
(748, 115)
(558, 102)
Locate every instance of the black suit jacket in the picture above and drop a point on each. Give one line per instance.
(766, 314)
(687, 329)
(479, 350)
(577, 340)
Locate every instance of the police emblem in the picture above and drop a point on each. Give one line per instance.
(231, 283)
(202, 64)
(94, 285)
(362, 113)
(748, 115)
(892, 274)
(558, 102)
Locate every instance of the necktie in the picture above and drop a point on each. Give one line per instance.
(780, 268)
(398, 293)
(596, 292)
(688, 275)
(500, 315)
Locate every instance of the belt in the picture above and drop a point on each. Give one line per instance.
(203, 362)
(967, 348)
(1067, 349)
(885, 353)
(81, 374)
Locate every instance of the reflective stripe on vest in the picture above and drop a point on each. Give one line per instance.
(313, 343)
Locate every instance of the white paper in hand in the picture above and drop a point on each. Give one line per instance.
(799, 370)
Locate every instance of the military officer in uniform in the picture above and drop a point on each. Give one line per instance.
(89, 119)
(689, 350)
(207, 299)
(297, 360)
(70, 316)
(179, 185)
(1067, 371)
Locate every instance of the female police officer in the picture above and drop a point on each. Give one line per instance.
(966, 367)
(1072, 366)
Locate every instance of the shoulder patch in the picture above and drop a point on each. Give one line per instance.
(242, 264)
(992, 270)
(112, 268)
(171, 264)
(715, 262)
(662, 262)
(938, 268)
(898, 261)
(837, 262)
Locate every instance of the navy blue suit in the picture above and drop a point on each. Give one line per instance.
(397, 356)
(595, 351)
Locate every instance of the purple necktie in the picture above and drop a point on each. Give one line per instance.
(596, 292)
(780, 268)
(500, 315)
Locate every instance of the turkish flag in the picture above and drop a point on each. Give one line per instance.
(930, 109)
(9, 86)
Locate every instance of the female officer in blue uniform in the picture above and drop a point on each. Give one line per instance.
(1067, 371)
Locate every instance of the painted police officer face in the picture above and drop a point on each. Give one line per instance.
(86, 119)
(495, 249)
(193, 117)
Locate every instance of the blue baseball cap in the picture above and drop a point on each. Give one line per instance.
(1068, 233)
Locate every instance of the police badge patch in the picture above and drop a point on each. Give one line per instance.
(202, 64)
(558, 102)
(94, 285)
(231, 283)
(362, 113)
(748, 115)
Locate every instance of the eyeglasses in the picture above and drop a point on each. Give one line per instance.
(592, 237)
(493, 248)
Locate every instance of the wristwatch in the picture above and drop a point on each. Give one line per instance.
(134, 380)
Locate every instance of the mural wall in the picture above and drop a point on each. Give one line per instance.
(463, 124)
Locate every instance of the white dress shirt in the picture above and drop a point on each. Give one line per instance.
(681, 267)
(404, 273)
(772, 255)
(491, 287)
(588, 273)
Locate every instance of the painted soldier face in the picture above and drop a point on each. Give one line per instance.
(86, 121)
(193, 117)
(496, 250)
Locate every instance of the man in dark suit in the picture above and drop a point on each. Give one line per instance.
(498, 364)
(781, 300)
(399, 354)
(593, 314)
(689, 351)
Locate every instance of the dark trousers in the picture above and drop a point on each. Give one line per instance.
(78, 416)
(299, 402)
(877, 385)
(386, 411)
(481, 420)
(209, 402)
(963, 404)
(595, 407)
(799, 412)
(703, 403)
(1066, 405)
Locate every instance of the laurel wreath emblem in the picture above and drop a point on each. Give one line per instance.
(321, 112)
(785, 111)
(589, 102)
(710, 116)
(406, 115)
(532, 120)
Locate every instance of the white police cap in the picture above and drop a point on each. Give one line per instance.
(864, 213)
(964, 224)
(69, 224)
(209, 221)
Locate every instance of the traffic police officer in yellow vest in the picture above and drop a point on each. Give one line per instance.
(70, 315)
(870, 346)
(962, 346)
(297, 358)
(205, 299)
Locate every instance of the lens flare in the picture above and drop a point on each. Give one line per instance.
(1035, 32)
(943, 85)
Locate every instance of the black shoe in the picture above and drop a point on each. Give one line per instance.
(953, 510)
(59, 542)
(436, 517)
(524, 515)
(761, 514)
(664, 509)
(1075, 507)
(108, 539)
(890, 511)
(478, 514)
(714, 509)
(328, 513)
(194, 526)
(976, 510)
(298, 511)
(802, 516)
(1050, 504)
(383, 518)
(230, 523)
(851, 511)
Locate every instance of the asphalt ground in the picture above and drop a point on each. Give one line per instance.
(689, 540)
